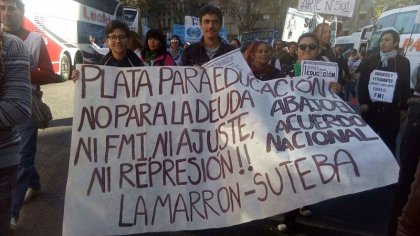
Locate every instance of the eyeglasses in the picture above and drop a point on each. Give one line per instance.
(311, 46)
(174, 41)
(113, 38)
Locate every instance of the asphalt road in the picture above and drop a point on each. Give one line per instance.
(358, 214)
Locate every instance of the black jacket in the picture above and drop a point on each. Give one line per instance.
(196, 53)
(402, 92)
(130, 60)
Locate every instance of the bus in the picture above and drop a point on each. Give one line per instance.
(132, 19)
(66, 26)
(266, 35)
(402, 20)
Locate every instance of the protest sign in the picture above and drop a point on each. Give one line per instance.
(331, 7)
(326, 70)
(382, 85)
(186, 148)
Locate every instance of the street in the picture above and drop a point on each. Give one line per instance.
(363, 213)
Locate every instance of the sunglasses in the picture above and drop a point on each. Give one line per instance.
(311, 46)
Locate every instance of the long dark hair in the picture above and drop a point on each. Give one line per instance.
(156, 34)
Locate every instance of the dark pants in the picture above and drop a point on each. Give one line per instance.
(28, 175)
(409, 158)
(384, 119)
(7, 186)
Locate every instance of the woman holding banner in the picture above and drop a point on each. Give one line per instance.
(259, 58)
(307, 49)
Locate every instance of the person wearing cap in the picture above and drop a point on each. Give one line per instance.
(211, 44)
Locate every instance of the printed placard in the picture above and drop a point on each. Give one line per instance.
(330, 7)
(320, 69)
(186, 148)
(382, 85)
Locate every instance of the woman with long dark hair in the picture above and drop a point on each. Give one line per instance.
(154, 52)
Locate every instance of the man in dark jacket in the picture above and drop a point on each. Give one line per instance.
(211, 45)
(384, 117)
(323, 32)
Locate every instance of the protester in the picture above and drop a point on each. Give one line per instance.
(278, 52)
(154, 52)
(245, 50)
(409, 159)
(384, 118)
(117, 33)
(259, 62)
(289, 58)
(42, 72)
(323, 33)
(354, 64)
(15, 108)
(308, 49)
(134, 43)
(211, 45)
(175, 49)
(235, 43)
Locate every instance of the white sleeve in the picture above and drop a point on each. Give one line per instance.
(100, 50)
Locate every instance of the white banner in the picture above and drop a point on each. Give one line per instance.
(382, 85)
(324, 69)
(330, 7)
(187, 148)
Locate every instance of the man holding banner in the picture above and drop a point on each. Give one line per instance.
(384, 89)
(211, 45)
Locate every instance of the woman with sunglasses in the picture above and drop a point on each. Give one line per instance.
(308, 49)
(175, 48)
(154, 52)
(259, 58)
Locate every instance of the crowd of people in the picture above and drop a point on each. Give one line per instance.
(25, 65)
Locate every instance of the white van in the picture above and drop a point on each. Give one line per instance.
(403, 20)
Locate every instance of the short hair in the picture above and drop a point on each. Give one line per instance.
(155, 34)
(136, 40)
(309, 35)
(212, 10)
(321, 25)
(395, 36)
(116, 24)
(19, 4)
(292, 43)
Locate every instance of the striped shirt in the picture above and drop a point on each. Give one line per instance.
(15, 98)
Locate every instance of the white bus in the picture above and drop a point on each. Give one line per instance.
(132, 19)
(66, 26)
(403, 21)
(357, 40)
